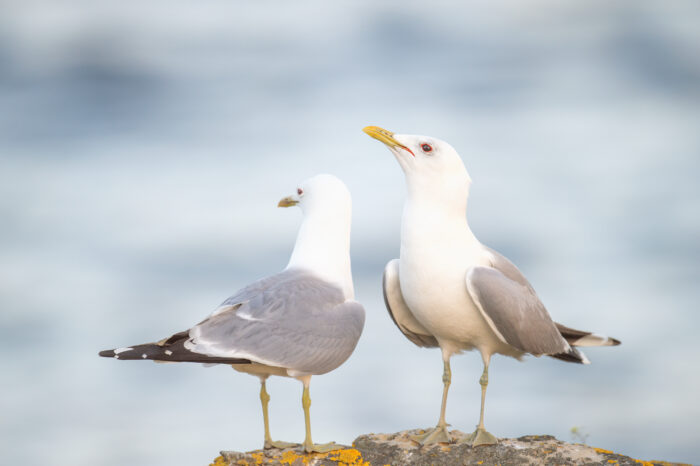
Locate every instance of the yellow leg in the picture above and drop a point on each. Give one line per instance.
(484, 382)
(480, 436)
(265, 400)
(439, 433)
(446, 382)
(306, 404)
(309, 445)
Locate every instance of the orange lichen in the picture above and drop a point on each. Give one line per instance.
(290, 457)
(343, 457)
(258, 457)
(348, 457)
(600, 450)
(662, 463)
(612, 461)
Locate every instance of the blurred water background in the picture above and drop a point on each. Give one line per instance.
(144, 145)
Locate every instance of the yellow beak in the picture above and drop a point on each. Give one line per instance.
(287, 202)
(385, 136)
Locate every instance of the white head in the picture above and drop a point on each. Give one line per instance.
(323, 195)
(323, 241)
(432, 167)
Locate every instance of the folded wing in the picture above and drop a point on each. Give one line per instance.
(399, 311)
(514, 312)
(292, 320)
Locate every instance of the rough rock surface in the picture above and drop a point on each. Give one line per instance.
(399, 449)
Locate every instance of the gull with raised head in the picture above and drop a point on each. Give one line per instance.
(300, 322)
(448, 290)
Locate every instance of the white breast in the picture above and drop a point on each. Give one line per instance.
(435, 256)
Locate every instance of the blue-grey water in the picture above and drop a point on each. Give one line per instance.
(144, 146)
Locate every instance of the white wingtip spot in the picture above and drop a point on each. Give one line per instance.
(168, 352)
(121, 350)
(584, 358)
(594, 339)
(116, 356)
(144, 356)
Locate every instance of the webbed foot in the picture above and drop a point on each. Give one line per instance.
(280, 445)
(481, 437)
(320, 447)
(437, 434)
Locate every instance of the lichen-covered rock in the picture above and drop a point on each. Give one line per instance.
(292, 456)
(400, 449)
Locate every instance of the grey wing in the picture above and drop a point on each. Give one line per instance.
(514, 312)
(399, 310)
(507, 268)
(246, 293)
(294, 320)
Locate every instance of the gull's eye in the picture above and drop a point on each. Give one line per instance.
(426, 148)
(300, 191)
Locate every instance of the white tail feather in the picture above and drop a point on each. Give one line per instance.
(593, 339)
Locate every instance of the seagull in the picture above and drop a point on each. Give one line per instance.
(448, 290)
(300, 322)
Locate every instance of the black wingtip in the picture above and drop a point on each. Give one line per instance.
(573, 355)
(567, 357)
(615, 341)
(174, 352)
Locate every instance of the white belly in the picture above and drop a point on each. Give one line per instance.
(432, 275)
(260, 370)
(439, 300)
(436, 252)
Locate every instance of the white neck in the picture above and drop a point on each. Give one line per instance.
(436, 214)
(323, 247)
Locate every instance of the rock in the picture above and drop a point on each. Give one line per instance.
(399, 449)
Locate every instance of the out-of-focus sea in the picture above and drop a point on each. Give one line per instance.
(144, 146)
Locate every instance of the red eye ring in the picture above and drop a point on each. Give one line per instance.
(426, 147)
(300, 191)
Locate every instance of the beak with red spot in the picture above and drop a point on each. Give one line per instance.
(385, 136)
